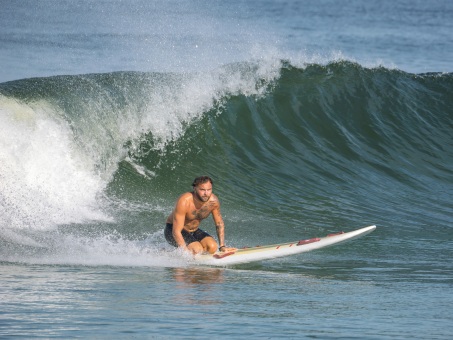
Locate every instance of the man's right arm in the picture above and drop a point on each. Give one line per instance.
(179, 217)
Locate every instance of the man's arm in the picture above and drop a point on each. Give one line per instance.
(220, 228)
(179, 216)
(219, 225)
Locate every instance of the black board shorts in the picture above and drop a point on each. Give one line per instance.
(196, 236)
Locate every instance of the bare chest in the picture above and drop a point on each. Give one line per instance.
(199, 214)
(196, 213)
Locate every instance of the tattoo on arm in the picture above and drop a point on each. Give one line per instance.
(220, 234)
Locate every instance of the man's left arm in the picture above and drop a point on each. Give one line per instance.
(219, 225)
(220, 228)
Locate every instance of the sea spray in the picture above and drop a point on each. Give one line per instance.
(45, 181)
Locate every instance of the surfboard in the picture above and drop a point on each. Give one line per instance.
(259, 253)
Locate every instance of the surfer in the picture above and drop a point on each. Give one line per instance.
(182, 226)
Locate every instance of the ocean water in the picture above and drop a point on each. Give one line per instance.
(311, 116)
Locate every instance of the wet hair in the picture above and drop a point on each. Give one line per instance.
(201, 180)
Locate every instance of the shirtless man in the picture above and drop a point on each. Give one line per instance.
(182, 228)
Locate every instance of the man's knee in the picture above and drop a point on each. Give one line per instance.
(209, 245)
(195, 247)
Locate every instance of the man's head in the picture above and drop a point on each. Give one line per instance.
(202, 187)
(201, 180)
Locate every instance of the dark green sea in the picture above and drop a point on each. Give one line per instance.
(312, 117)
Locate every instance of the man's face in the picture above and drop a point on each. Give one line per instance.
(204, 191)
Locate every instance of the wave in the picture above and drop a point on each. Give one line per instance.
(318, 137)
(343, 141)
(63, 136)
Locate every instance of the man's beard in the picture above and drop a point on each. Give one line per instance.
(203, 199)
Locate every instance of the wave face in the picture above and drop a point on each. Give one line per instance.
(92, 163)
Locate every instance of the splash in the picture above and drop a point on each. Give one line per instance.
(44, 180)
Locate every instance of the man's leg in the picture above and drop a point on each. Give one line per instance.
(209, 244)
(195, 247)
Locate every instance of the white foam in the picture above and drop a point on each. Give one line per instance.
(108, 250)
(44, 180)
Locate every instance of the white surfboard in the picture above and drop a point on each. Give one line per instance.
(259, 253)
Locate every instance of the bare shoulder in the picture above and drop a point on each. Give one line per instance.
(214, 200)
(185, 196)
(185, 199)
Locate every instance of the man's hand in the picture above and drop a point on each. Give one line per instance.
(224, 249)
